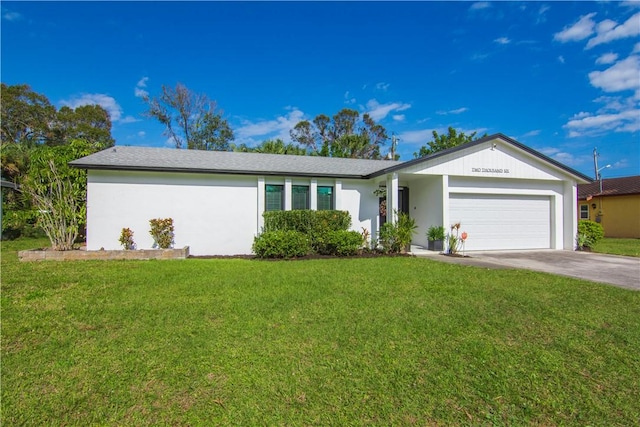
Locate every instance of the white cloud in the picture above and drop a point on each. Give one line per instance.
(561, 59)
(564, 157)
(636, 48)
(379, 111)
(607, 58)
(142, 134)
(382, 86)
(398, 117)
(417, 136)
(631, 3)
(139, 89)
(456, 111)
(609, 30)
(348, 99)
(480, 5)
(252, 133)
(623, 121)
(532, 133)
(105, 101)
(623, 75)
(12, 16)
(502, 40)
(541, 17)
(578, 31)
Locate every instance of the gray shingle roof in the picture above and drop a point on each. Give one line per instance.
(165, 159)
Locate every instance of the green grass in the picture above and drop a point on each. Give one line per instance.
(614, 246)
(386, 341)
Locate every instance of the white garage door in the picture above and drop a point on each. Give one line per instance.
(495, 222)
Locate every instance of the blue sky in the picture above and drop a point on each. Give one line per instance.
(562, 78)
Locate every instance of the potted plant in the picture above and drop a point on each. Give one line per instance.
(435, 235)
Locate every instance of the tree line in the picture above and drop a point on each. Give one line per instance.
(37, 140)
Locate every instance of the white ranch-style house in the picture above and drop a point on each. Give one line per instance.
(506, 195)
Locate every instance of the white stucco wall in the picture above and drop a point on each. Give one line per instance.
(221, 214)
(426, 205)
(212, 214)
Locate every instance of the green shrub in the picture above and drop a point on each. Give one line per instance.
(589, 233)
(340, 243)
(389, 240)
(397, 237)
(281, 244)
(162, 232)
(307, 221)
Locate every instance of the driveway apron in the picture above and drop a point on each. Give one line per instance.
(615, 270)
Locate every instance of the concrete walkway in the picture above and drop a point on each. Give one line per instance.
(611, 269)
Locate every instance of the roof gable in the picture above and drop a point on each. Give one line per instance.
(508, 152)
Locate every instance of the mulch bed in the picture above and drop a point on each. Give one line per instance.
(307, 257)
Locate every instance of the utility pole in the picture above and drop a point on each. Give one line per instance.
(394, 144)
(595, 166)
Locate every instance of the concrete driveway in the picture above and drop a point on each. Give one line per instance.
(611, 269)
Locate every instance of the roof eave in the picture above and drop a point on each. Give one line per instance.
(75, 164)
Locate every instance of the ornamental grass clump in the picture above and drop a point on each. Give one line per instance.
(162, 232)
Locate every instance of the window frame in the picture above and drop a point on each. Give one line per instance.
(583, 211)
(331, 200)
(266, 197)
(307, 200)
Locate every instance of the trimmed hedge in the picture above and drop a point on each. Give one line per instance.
(325, 232)
(307, 221)
(339, 242)
(281, 244)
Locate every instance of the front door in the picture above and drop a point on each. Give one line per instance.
(403, 204)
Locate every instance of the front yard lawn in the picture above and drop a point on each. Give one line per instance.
(614, 246)
(383, 341)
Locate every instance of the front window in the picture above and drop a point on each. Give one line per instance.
(274, 197)
(584, 211)
(325, 198)
(300, 197)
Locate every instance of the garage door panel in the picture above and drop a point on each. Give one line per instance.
(502, 222)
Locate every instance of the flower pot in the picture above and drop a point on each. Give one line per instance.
(435, 245)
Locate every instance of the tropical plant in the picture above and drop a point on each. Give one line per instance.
(56, 201)
(406, 229)
(453, 239)
(435, 232)
(162, 232)
(126, 239)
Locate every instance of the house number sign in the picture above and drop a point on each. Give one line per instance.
(489, 170)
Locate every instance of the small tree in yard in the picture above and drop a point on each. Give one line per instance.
(56, 200)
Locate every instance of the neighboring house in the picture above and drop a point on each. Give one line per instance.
(616, 206)
(505, 195)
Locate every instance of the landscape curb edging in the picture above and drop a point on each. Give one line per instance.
(138, 254)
